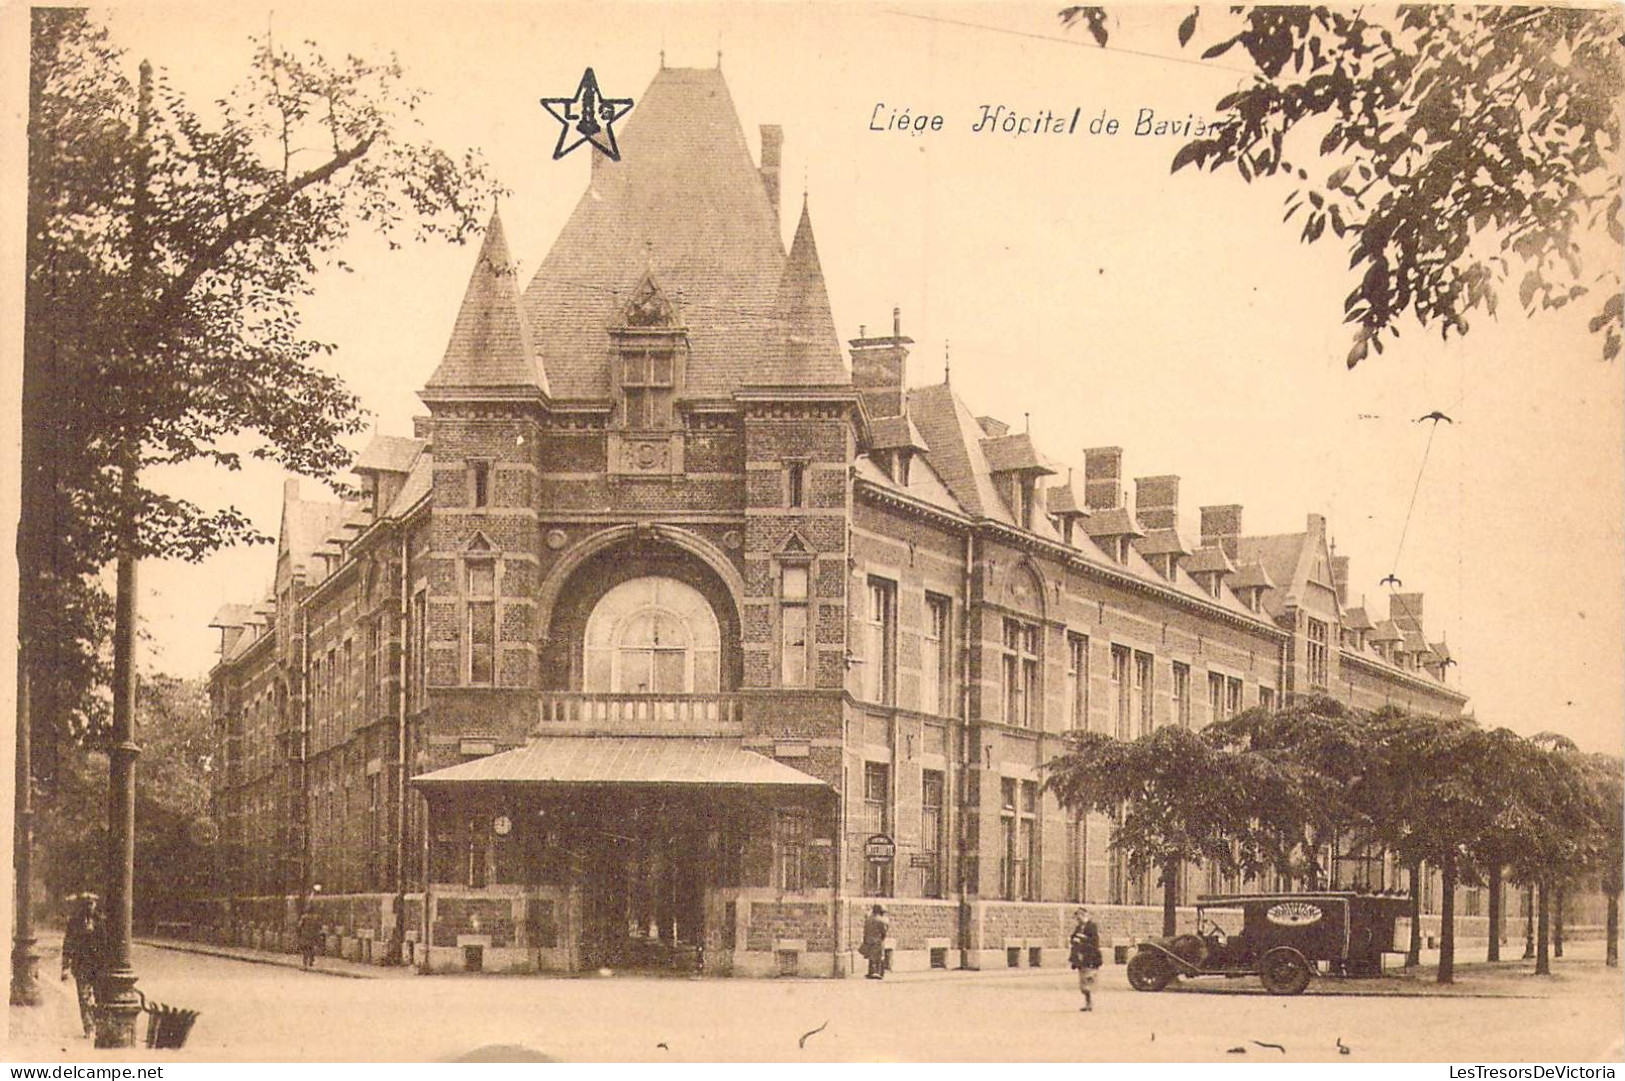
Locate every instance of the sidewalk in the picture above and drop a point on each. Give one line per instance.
(54, 1023)
(325, 966)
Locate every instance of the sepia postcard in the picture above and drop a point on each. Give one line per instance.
(815, 532)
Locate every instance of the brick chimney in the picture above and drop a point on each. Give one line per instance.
(772, 154)
(1156, 502)
(1405, 609)
(880, 369)
(1102, 475)
(1221, 527)
(1340, 579)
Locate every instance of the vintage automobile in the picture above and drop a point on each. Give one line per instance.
(1283, 940)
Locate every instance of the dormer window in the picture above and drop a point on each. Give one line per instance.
(648, 389)
(904, 459)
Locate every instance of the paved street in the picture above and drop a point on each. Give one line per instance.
(267, 1012)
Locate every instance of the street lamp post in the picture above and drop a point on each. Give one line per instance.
(118, 1001)
(24, 960)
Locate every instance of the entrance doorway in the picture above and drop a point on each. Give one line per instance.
(643, 899)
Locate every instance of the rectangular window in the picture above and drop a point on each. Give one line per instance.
(482, 624)
(880, 648)
(1215, 695)
(1266, 697)
(480, 482)
(795, 478)
(936, 656)
(1077, 681)
(479, 846)
(792, 831)
(932, 839)
(1232, 696)
(1315, 653)
(876, 819)
(793, 647)
(1077, 856)
(1027, 842)
(1121, 656)
(1021, 702)
(482, 576)
(648, 381)
(419, 644)
(1007, 839)
(1182, 694)
(1143, 685)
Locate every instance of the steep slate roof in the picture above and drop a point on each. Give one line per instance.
(890, 433)
(231, 615)
(388, 454)
(1160, 542)
(1013, 454)
(418, 483)
(1385, 631)
(1252, 576)
(956, 449)
(686, 202)
(923, 483)
(1279, 555)
(491, 345)
(306, 525)
(1064, 498)
(1355, 619)
(1209, 559)
(808, 351)
(1111, 522)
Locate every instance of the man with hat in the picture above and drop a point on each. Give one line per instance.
(84, 953)
(875, 929)
(1085, 954)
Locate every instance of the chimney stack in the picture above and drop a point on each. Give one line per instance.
(880, 370)
(1156, 502)
(290, 491)
(772, 155)
(1340, 579)
(1405, 609)
(1102, 472)
(1221, 527)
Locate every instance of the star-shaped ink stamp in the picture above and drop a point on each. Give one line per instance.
(589, 117)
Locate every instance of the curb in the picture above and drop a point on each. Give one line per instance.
(252, 959)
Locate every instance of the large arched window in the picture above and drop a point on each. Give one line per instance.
(652, 636)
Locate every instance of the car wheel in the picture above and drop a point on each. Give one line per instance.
(1148, 972)
(1284, 972)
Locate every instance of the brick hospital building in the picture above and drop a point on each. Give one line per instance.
(678, 634)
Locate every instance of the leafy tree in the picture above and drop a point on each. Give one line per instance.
(168, 252)
(1465, 148)
(1175, 800)
(1607, 778)
(1314, 789)
(172, 826)
(1502, 845)
(1563, 834)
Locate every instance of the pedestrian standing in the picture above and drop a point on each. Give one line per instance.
(84, 954)
(875, 929)
(1085, 955)
(310, 930)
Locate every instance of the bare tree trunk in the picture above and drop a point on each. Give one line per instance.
(1557, 921)
(1413, 955)
(1447, 921)
(1529, 922)
(1494, 952)
(1543, 956)
(1613, 928)
(1170, 899)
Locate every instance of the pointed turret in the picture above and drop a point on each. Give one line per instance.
(491, 350)
(809, 351)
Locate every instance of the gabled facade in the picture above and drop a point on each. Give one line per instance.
(675, 637)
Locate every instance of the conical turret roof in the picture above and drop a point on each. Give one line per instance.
(809, 350)
(491, 347)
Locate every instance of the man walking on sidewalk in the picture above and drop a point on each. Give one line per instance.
(84, 954)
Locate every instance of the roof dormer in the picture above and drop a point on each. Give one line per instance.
(1015, 467)
(1210, 567)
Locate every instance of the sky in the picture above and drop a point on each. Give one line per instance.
(1081, 288)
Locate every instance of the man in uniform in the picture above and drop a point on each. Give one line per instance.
(84, 953)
